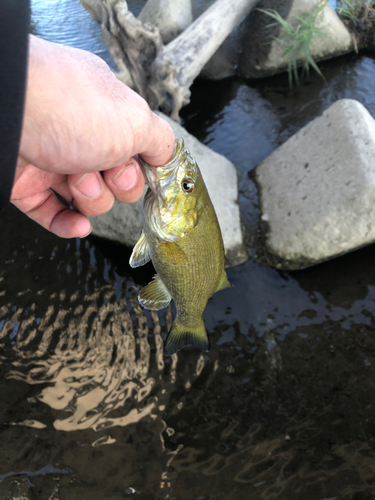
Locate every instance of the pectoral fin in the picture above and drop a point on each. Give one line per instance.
(141, 252)
(223, 283)
(181, 335)
(155, 295)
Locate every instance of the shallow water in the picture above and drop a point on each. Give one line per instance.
(282, 407)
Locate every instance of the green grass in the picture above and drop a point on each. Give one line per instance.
(296, 39)
(350, 8)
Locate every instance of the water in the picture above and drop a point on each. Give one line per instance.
(282, 407)
(68, 23)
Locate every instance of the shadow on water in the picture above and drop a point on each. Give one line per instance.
(282, 407)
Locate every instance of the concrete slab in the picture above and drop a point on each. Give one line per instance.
(317, 191)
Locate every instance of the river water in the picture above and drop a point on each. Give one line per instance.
(283, 405)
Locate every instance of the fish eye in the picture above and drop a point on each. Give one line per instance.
(187, 185)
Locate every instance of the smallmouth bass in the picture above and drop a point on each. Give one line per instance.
(182, 237)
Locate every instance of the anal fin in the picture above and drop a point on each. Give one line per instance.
(155, 295)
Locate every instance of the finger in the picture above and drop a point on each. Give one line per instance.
(20, 167)
(30, 180)
(91, 195)
(63, 190)
(157, 142)
(126, 181)
(45, 209)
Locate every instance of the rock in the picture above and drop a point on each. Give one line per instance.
(317, 190)
(95, 8)
(225, 60)
(124, 222)
(181, 61)
(262, 54)
(169, 16)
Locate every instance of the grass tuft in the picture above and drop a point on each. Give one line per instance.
(296, 39)
(350, 8)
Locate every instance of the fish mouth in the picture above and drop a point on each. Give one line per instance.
(154, 176)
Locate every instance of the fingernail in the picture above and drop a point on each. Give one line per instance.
(127, 177)
(86, 234)
(89, 185)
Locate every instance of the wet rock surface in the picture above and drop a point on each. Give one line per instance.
(124, 222)
(317, 196)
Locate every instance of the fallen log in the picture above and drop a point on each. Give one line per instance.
(163, 74)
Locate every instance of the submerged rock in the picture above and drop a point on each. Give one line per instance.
(264, 42)
(124, 222)
(317, 191)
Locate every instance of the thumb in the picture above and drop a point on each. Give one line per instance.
(158, 142)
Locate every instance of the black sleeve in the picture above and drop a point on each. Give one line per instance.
(14, 28)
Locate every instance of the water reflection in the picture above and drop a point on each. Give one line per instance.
(81, 367)
(352, 82)
(98, 372)
(240, 116)
(84, 353)
(93, 363)
(76, 26)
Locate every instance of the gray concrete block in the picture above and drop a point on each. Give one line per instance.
(317, 191)
(169, 16)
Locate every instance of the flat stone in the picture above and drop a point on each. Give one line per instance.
(317, 190)
(264, 42)
(124, 222)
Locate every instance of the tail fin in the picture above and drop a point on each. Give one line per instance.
(181, 336)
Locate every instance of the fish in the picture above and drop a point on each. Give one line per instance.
(182, 237)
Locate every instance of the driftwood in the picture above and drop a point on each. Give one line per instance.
(163, 74)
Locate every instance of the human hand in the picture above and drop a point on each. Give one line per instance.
(80, 120)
